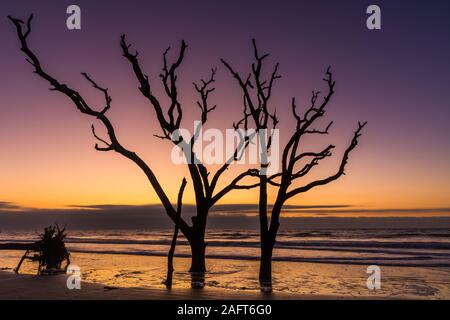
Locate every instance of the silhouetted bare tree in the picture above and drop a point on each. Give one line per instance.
(206, 193)
(256, 97)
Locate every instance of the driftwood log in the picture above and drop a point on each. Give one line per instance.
(50, 251)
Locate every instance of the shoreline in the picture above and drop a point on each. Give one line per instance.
(126, 277)
(30, 287)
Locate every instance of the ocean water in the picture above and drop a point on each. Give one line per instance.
(388, 247)
(414, 262)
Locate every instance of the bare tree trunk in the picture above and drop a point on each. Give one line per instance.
(170, 269)
(265, 266)
(16, 270)
(268, 239)
(198, 249)
(168, 281)
(198, 268)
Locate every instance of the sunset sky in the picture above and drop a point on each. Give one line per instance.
(396, 78)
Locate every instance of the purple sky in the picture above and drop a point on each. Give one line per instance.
(396, 78)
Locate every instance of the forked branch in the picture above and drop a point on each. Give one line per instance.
(339, 173)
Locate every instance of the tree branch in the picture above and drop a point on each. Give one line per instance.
(315, 131)
(109, 146)
(314, 161)
(144, 84)
(234, 184)
(303, 123)
(340, 171)
(108, 98)
(84, 108)
(204, 90)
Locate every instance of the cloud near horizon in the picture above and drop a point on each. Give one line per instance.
(223, 209)
(237, 216)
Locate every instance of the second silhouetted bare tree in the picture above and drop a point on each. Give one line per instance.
(295, 165)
